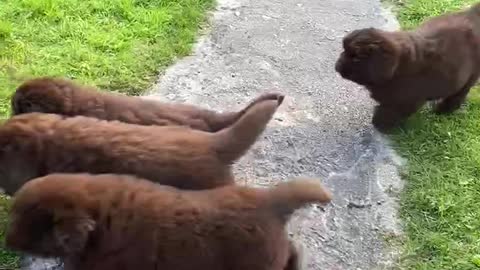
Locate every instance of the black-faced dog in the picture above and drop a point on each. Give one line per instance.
(438, 61)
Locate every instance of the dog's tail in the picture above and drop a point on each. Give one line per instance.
(218, 121)
(232, 142)
(473, 15)
(475, 7)
(289, 196)
(474, 11)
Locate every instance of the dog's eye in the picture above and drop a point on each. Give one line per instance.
(355, 56)
(358, 58)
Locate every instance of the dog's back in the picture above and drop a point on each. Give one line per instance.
(227, 228)
(67, 97)
(135, 224)
(171, 155)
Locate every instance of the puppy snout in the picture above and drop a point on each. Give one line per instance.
(338, 66)
(341, 68)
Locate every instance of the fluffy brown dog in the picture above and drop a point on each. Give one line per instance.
(64, 96)
(112, 222)
(36, 144)
(440, 60)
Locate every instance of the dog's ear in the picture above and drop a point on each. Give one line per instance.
(378, 43)
(383, 57)
(366, 50)
(372, 40)
(71, 233)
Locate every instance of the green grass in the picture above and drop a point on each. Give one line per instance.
(411, 13)
(118, 45)
(441, 203)
(8, 260)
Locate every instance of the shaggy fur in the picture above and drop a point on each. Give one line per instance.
(36, 144)
(438, 61)
(113, 222)
(66, 97)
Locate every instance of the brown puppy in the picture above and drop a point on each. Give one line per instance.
(64, 96)
(112, 222)
(36, 144)
(440, 60)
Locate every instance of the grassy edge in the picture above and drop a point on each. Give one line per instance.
(10, 260)
(439, 192)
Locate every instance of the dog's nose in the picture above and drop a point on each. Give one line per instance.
(341, 68)
(338, 66)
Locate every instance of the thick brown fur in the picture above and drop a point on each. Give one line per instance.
(438, 61)
(66, 97)
(36, 144)
(112, 222)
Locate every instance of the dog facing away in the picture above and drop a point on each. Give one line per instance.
(37, 144)
(439, 61)
(112, 222)
(63, 96)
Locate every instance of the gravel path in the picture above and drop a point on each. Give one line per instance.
(322, 129)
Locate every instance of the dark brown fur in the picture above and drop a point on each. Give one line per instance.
(113, 222)
(66, 97)
(440, 60)
(36, 144)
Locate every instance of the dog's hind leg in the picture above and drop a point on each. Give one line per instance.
(454, 102)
